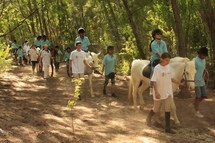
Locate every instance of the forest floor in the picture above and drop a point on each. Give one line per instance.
(34, 110)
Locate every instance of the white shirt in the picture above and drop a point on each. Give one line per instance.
(33, 54)
(162, 77)
(78, 58)
(26, 48)
(46, 57)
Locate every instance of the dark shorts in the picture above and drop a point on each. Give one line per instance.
(200, 91)
(111, 76)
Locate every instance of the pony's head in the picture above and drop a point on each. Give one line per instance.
(189, 74)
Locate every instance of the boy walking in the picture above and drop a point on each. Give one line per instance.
(162, 90)
(66, 57)
(20, 55)
(200, 88)
(109, 63)
(33, 57)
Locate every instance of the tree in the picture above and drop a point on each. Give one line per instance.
(179, 29)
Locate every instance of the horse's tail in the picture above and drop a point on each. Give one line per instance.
(130, 89)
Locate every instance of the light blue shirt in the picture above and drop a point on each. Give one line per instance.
(19, 53)
(200, 67)
(109, 62)
(158, 47)
(14, 46)
(38, 43)
(85, 42)
(45, 42)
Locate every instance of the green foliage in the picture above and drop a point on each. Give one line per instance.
(4, 60)
(78, 82)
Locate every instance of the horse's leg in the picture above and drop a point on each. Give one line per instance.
(90, 84)
(173, 110)
(135, 89)
(142, 88)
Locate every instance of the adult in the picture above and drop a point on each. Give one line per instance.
(45, 60)
(85, 42)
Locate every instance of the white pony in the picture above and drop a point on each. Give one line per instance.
(139, 83)
(91, 59)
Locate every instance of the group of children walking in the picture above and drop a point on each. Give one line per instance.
(161, 81)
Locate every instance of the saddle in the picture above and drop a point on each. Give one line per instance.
(148, 69)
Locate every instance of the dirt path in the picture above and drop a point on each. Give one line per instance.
(34, 111)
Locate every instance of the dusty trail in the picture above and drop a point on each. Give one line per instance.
(34, 111)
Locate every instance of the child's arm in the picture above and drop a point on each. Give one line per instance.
(157, 95)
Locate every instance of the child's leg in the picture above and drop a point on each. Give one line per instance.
(105, 85)
(113, 86)
(155, 110)
(167, 104)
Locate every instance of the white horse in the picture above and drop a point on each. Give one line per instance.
(91, 59)
(139, 83)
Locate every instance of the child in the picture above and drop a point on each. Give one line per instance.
(109, 63)
(45, 60)
(20, 55)
(85, 42)
(162, 90)
(200, 88)
(78, 62)
(157, 48)
(33, 57)
(57, 57)
(66, 57)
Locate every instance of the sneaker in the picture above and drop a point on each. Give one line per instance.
(199, 115)
(150, 91)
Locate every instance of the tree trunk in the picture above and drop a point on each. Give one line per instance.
(31, 19)
(115, 27)
(179, 30)
(137, 33)
(208, 17)
(43, 17)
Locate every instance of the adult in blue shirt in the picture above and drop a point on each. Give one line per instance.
(38, 42)
(200, 88)
(157, 48)
(85, 42)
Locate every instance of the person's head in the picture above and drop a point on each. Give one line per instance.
(203, 52)
(81, 32)
(20, 47)
(56, 47)
(165, 59)
(14, 41)
(46, 47)
(156, 34)
(39, 37)
(26, 42)
(33, 46)
(78, 45)
(68, 49)
(110, 50)
(44, 37)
